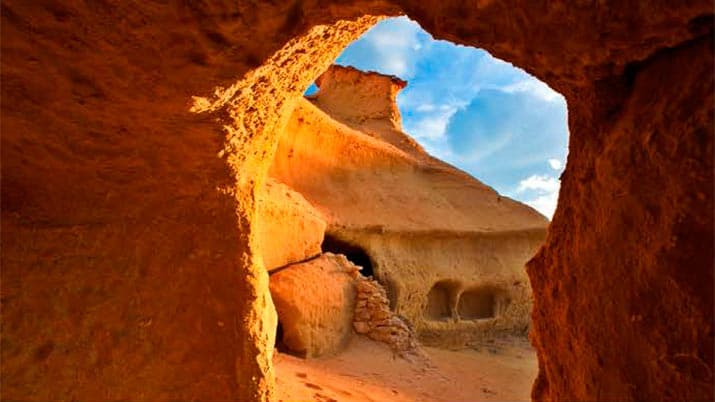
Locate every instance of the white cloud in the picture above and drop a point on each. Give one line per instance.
(432, 122)
(394, 46)
(546, 204)
(555, 164)
(432, 127)
(535, 87)
(401, 36)
(539, 183)
(425, 107)
(545, 190)
(396, 65)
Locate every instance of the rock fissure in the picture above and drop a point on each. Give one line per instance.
(282, 267)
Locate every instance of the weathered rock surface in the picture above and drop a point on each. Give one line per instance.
(625, 284)
(127, 263)
(127, 254)
(421, 222)
(362, 182)
(365, 101)
(315, 301)
(290, 230)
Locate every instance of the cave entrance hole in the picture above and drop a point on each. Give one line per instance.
(477, 303)
(354, 253)
(358, 256)
(279, 338)
(441, 301)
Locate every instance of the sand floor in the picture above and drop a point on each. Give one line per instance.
(369, 371)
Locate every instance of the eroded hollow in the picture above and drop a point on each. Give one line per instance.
(353, 252)
(281, 346)
(279, 338)
(477, 303)
(441, 301)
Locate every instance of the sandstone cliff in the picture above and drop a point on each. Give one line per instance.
(450, 250)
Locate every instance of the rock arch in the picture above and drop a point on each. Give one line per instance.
(114, 233)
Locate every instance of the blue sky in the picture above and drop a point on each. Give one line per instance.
(474, 111)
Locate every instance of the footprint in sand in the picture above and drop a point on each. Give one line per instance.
(324, 398)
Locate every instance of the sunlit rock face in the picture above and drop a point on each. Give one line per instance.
(289, 228)
(315, 301)
(364, 101)
(129, 263)
(419, 221)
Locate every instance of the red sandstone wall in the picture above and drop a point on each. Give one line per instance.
(624, 287)
(119, 258)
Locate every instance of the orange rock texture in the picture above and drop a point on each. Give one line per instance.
(289, 228)
(131, 267)
(315, 301)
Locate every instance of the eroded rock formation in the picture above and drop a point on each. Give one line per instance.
(126, 241)
(419, 222)
(320, 301)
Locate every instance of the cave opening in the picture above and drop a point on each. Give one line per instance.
(354, 253)
(435, 255)
(129, 222)
(440, 301)
(479, 303)
(278, 344)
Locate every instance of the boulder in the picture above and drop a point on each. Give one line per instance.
(290, 230)
(315, 301)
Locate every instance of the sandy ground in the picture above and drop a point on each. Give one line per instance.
(369, 371)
